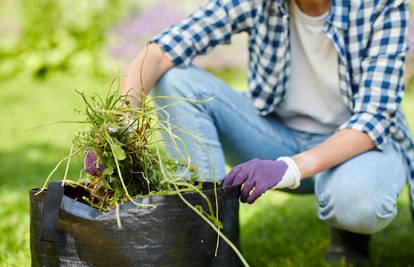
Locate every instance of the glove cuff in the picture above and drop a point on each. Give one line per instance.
(291, 178)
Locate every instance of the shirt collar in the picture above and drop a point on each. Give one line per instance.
(338, 15)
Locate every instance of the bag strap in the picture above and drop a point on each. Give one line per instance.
(51, 206)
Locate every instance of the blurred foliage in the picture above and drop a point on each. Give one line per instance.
(57, 35)
(96, 36)
(99, 36)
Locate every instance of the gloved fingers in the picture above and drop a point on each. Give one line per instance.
(241, 177)
(247, 187)
(228, 180)
(257, 192)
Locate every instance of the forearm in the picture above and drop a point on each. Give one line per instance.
(150, 65)
(337, 149)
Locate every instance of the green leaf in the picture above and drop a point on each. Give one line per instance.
(118, 152)
(109, 170)
(109, 101)
(105, 184)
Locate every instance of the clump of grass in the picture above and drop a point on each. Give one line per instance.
(120, 143)
(123, 143)
(122, 140)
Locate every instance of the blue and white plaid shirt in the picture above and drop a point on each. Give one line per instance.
(369, 36)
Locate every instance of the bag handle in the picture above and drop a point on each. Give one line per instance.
(51, 206)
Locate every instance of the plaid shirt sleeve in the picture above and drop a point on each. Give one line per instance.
(210, 25)
(382, 84)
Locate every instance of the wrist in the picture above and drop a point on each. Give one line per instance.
(291, 178)
(306, 164)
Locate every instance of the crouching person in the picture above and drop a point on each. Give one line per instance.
(323, 114)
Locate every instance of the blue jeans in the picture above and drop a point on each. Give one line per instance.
(360, 195)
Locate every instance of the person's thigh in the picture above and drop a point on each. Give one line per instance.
(221, 119)
(361, 194)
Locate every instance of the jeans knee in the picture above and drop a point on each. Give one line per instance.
(366, 215)
(170, 81)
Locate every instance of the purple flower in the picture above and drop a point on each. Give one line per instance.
(90, 163)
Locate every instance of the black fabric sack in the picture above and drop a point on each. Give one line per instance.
(68, 232)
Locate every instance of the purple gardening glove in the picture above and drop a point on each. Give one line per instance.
(258, 176)
(90, 163)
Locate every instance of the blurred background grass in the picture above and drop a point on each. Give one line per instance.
(49, 48)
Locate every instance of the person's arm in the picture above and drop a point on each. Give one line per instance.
(258, 176)
(378, 99)
(337, 149)
(375, 106)
(210, 25)
(152, 64)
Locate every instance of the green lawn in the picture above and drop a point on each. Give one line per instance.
(279, 230)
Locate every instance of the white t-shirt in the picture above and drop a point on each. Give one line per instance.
(313, 101)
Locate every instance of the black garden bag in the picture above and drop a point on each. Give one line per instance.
(68, 232)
